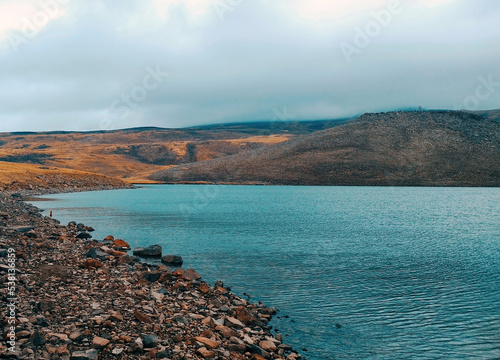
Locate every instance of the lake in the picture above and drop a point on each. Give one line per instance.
(357, 272)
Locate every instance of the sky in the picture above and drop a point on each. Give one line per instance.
(107, 64)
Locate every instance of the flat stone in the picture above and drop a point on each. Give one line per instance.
(233, 323)
(150, 251)
(99, 342)
(207, 342)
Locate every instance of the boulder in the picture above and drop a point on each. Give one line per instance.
(150, 251)
(172, 260)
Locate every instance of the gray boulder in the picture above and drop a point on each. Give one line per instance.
(172, 260)
(150, 251)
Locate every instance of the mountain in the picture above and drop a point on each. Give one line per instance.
(431, 148)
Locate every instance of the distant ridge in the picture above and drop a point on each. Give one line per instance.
(419, 148)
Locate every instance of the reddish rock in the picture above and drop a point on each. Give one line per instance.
(116, 316)
(257, 357)
(92, 263)
(268, 345)
(142, 317)
(243, 315)
(207, 342)
(226, 331)
(192, 274)
(116, 253)
(99, 342)
(204, 288)
(207, 354)
(109, 238)
(179, 272)
(121, 243)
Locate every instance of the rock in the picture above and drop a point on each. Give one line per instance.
(207, 354)
(192, 274)
(3, 253)
(37, 339)
(116, 316)
(207, 342)
(121, 244)
(91, 354)
(76, 336)
(226, 331)
(259, 351)
(72, 224)
(236, 348)
(243, 315)
(164, 354)
(142, 317)
(268, 346)
(150, 251)
(172, 260)
(92, 263)
(204, 288)
(84, 235)
(117, 351)
(45, 305)
(180, 272)
(152, 276)
(109, 238)
(150, 341)
(95, 253)
(99, 342)
(233, 323)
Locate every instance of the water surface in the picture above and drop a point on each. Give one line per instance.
(408, 273)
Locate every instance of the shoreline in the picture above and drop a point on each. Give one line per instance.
(147, 311)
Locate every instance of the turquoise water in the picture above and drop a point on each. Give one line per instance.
(408, 273)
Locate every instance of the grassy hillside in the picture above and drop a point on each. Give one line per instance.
(130, 155)
(438, 148)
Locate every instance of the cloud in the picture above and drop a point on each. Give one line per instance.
(258, 56)
(25, 18)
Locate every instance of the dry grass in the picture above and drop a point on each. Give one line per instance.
(131, 156)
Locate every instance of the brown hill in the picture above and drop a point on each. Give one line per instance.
(437, 148)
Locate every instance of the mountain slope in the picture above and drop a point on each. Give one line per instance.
(437, 148)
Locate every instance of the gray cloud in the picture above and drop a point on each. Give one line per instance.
(256, 59)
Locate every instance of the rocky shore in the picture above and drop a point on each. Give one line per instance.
(73, 297)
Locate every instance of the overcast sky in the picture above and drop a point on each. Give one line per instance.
(107, 64)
